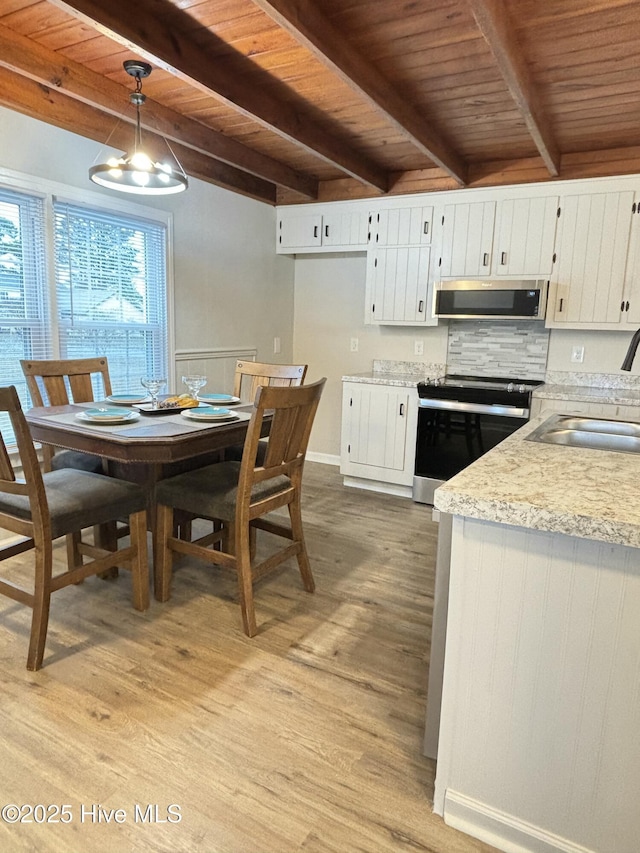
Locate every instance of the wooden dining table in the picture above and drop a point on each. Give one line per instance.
(144, 451)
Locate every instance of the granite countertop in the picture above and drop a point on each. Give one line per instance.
(591, 494)
(404, 380)
(405, 374)
(589, 394)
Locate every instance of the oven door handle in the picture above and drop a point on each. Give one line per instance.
(478, 408)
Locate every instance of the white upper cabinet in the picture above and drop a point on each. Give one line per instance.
(525, 236)
(401, 226)
(467, 239)
(398, 283)
(592, 245)
(512, 239)
(631, 305)
(324, 228)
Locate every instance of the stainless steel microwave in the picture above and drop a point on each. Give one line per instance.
(490, 299)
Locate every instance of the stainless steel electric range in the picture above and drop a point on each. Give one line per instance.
(459, 419)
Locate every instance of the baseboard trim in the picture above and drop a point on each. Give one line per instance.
(323, 458)
(378, 486)
(502, 830)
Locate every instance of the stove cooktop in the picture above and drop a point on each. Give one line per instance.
(479, 389)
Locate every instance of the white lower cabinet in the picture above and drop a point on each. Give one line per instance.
(379, 424)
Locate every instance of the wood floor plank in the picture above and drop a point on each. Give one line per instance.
(306, 738)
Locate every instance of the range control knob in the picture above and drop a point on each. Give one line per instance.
(522, 388)
(510, 387)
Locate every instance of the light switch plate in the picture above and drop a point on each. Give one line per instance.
(577, 354)
(354, 345)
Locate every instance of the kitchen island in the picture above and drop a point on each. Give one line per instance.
(540, 731)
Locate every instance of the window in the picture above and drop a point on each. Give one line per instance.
(104, 293)
(24, 315)
(111, 291)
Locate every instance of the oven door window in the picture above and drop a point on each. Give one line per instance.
(449, 441)
(490, 303)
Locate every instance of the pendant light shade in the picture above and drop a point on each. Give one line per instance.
(137, 172)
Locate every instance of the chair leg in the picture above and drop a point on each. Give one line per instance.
(295, 515)
(162, 554)
(74, 557)
(41, 601)
(245, 584)
(106, 536)
(140, 561)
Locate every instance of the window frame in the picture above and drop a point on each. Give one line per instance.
(50, 191)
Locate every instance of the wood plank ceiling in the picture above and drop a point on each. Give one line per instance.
(298, 100)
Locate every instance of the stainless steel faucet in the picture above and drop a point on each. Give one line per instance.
(631, 352)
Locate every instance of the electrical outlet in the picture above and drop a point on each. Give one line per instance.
(354, 345)
(418, 347)
(276, 346)
(577, 354)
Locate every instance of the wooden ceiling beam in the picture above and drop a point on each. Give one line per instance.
(160, 32)
(492, 19)
(309, 26)
(44, 66)
(25, 96)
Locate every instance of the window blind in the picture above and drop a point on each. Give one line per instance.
(24, 305)
(110, 272)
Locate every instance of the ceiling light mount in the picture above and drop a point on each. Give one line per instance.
(137, 172)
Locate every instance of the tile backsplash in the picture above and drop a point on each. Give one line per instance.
(515, 348)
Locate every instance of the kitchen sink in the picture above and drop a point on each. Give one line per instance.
(592, 433)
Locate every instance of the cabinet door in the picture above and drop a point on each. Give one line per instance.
(631, 305)
(525, 236)
(345, 228)
(402, 226)
(378, 432)
(591, 258)
(467, 239)
(300, 230)
(398, 285)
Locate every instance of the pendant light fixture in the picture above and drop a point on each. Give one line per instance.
(137, 172)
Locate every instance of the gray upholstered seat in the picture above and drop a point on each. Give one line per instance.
(212, 492)
(77, 460)
(78, 499)
(42, 508)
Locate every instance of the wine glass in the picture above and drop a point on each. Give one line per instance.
(153, 385)
(194, 382)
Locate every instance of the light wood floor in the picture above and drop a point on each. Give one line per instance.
(306, 738)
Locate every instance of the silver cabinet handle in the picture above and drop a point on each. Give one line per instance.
(425, 230)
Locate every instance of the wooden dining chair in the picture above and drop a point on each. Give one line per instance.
(251, 375)
(237, 496)
(57, 383)
(43, 507)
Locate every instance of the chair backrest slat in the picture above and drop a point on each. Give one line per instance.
(251, 375)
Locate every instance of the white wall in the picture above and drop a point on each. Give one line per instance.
(231, 289)
(329, 311)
